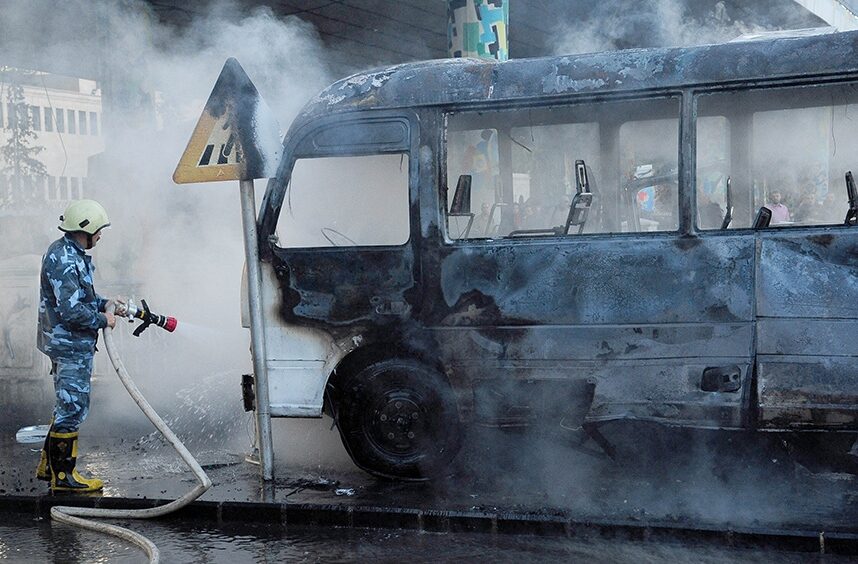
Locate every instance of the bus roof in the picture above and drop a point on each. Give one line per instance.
(445, 82)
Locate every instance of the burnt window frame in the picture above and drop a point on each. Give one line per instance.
(683, 98)
(298, 144)
(779, 83)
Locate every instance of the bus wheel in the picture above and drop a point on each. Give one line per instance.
(398, 418)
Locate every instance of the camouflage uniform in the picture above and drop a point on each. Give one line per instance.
(69, 321)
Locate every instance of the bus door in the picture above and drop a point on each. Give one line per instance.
(342, 258)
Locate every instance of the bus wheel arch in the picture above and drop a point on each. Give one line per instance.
(396, 414)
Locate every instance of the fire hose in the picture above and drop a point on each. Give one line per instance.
(78, 516)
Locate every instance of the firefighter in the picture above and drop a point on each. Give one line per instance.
(70, 315)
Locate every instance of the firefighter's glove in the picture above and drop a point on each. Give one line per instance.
(121, 305)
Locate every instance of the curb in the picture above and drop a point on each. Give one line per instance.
(443, 521)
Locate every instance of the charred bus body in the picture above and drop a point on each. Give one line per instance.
(568, 241)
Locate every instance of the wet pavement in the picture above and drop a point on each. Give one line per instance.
(534, 481)
(38, 541)
(709, 480)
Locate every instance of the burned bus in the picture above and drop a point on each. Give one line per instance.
(663, 235)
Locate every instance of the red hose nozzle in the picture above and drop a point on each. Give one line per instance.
(148, 318)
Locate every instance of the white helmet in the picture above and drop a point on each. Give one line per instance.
(87, 216)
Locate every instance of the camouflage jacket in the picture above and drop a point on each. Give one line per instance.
(69, 307)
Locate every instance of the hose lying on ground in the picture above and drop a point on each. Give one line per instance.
(72, 515)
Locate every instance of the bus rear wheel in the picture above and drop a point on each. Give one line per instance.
(398, 418)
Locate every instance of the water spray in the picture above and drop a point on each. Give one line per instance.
(143, 313)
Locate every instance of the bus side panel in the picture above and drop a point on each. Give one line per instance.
(338, 287)
(641, 372)
(807, 334)
(297, 357)
(642, 316)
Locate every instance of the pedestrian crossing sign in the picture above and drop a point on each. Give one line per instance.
(236, 137)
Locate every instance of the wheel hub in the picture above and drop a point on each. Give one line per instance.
(398, 423)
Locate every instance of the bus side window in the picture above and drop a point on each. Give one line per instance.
(787, 149)
(522, 165)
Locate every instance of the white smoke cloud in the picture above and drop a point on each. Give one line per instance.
(618, 24)
(180, 247)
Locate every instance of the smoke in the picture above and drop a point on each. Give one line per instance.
(180, 247)
(619, 24)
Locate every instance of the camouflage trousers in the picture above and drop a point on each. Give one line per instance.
(72, 386)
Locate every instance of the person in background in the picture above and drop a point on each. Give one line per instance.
(780, 213)
(833, 209)
(709, 213)
(481, 222)
(70, 316)
(517, 215)
(805, 210)
(530, 217)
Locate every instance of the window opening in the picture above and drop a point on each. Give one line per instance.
(346, 202)
(785, 149)
(527, 170)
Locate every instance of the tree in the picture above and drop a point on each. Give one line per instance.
(22, 172)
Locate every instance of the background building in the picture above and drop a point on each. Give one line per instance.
(65, 116)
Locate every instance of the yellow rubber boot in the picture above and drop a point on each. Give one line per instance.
(62, 457)
(43, 471)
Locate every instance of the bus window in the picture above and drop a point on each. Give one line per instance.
(787, 149)
(522, 168)
(346, 201)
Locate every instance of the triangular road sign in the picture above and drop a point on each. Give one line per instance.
(236, 138)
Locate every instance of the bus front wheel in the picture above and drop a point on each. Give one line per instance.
(398, 418)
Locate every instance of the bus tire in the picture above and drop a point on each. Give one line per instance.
(398, 419)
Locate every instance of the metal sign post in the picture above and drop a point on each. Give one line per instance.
(237, 138)
(257, 328)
